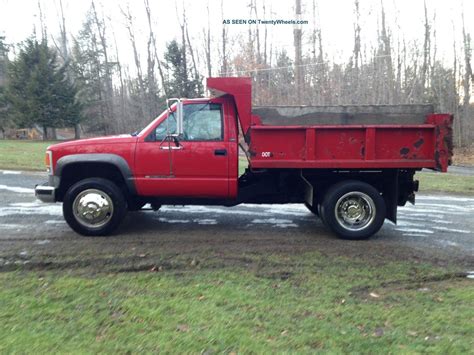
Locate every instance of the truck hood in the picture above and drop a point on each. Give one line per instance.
(123, 138)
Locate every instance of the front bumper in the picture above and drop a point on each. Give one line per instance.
(45, 193)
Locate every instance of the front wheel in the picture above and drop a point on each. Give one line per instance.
(353, 210)
(94, 207)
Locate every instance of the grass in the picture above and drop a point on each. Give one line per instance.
(306, 303)
(23, 155)
(243, 164)
(446, 182)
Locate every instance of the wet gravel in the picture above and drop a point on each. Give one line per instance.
(439, 229)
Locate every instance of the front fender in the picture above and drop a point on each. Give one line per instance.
(112, 159)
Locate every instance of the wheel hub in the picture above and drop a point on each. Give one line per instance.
(355, 211)
(93, 208)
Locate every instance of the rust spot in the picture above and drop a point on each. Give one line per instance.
(362, 151)
(404, 151)
(439, 167)
(419, 143)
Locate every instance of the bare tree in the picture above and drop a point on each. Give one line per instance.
(426, 49)
(224, 42)
(141, 82)
(297, 35)
(191, 50)
(468, 77)
(207, 40)
(44, 32)
(152, 37)
(108, 92)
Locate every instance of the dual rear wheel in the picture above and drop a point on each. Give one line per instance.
(352, 209)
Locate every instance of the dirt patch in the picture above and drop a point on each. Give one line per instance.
(424, 283)
(269, 256)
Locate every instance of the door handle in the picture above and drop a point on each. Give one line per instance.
(166, 147)
(222, 152)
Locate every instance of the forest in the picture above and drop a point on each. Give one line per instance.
(82, 80)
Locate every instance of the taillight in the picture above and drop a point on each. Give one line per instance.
(48, 161)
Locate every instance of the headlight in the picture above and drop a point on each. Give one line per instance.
(48, 161)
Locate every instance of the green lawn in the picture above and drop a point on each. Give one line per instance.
(301, 303)
(446, 182)
(23, 155)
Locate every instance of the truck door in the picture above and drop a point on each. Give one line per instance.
(200, 165)
(153, 159)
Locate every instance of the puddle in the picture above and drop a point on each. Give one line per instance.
(20, 190)
(29, 208)
(276, 222)
(205, 221)
(166, 220)
(11, 172)
(54, 221)
(446, 229)
(414, 230)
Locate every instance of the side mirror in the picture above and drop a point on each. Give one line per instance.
(179, 118)
(179, 114)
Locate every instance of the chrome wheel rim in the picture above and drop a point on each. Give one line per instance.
(355, 211)
(93, 208)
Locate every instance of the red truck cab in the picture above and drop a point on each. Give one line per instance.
(201, 162)
(351, 166)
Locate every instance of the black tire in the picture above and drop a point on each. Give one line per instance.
(367, 205)
(104, 187)
(322, 214)
(313, 209)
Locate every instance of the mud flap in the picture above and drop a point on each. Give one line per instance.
(308, 189)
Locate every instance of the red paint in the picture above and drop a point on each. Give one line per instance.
(196, 171)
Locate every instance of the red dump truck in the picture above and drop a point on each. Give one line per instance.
(350, 165)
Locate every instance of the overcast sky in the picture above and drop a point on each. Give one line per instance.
(19, 17)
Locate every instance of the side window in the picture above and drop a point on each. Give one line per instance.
(166, 127)
(203, 122)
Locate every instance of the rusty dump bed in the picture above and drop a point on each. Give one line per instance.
(350, 137)
(325, 140)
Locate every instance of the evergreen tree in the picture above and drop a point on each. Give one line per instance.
(4, 119)
(38, 90)
(180, 81)
(3, 61)
(92, 72)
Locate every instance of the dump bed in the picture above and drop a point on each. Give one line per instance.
(340, 137)
(352, 137)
